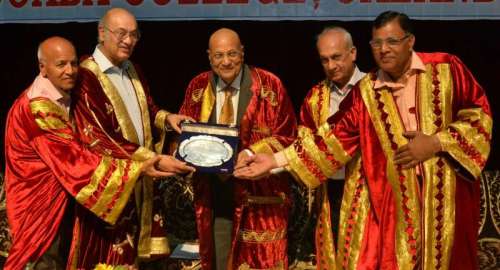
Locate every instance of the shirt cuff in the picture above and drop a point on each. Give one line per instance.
(281, 160)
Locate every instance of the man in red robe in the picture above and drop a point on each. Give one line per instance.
(422, 127)
(46, 167)
(115, 115)
(337, 55)
(256, 101)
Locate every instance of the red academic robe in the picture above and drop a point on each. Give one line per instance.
(45, 167)
(314, 112)
(268, 124)
(388, 219)
(105, 126)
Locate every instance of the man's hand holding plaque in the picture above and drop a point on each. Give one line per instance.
(164, 166)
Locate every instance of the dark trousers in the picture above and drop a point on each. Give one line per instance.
(223, 211)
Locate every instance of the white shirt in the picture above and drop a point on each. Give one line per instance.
(120, 79)
(336, 96)
(221, 85)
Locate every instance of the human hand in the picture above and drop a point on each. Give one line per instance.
(243, 159)
(172, 165)
(420, 148)
(257, 166)
(174, 120)
(149, 168)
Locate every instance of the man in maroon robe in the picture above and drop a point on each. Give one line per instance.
(47, 167)
(256, 101)
(115, 115)
(421, 126)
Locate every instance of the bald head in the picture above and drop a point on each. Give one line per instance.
(117, 14)
(54, 45)
(224, 36)
(58, 62)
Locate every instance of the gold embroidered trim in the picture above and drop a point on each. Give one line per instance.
(133, 173)
(50, 117)
(98, 176)
(89, 128)
(160, 119)
(121, 113)
(333, 144)
(325, 246)
(269, 94)
(207, 104)
(319, 157)
(267, 145)
(278, 266)
(354, 212)
(299, 169)
(142, 154)
(196, 95)
(112, 186)
(48, 107)
(403, 182)
(439, 189)
(324, 110)
(261, 236)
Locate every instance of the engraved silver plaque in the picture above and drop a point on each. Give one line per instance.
(205, 150)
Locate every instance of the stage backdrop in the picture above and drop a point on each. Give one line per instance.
(28, 11)
(171, 53)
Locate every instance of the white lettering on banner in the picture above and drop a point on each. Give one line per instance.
(29, 11)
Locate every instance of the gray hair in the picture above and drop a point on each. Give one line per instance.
(99, 25)
(39, 53)
(337, 29)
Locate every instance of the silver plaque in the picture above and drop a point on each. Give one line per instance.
(205, 151)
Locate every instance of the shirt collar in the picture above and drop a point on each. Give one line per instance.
(43, 87)
(356, 76)
(104, 63)
(221, 84)
(384, 80)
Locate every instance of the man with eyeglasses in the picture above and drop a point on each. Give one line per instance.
(116, 115)
(256, 213)
(337, 55)
(422, 126)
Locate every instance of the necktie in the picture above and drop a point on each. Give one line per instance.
(226, 116)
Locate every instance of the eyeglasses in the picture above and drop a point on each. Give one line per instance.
(121, 34)
(391, 42)
(232, 55)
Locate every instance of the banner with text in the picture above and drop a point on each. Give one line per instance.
(30, 11)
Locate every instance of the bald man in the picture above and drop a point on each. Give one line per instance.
(46, 166)
(256, 213)
(115, 115)
(337, 55)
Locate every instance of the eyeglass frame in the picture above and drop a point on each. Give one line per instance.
(391, 42)
(122, 34)
(233, 54)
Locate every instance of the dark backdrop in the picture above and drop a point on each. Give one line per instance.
(171, 53)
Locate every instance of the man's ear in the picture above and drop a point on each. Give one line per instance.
(43, 71)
